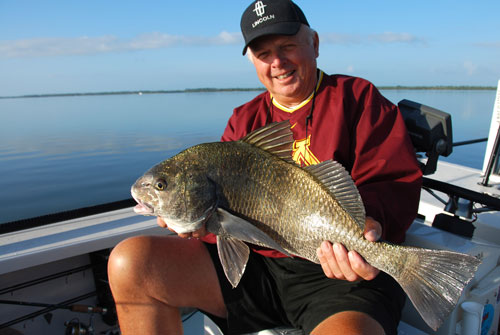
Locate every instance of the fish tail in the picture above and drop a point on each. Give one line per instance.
(434, 281)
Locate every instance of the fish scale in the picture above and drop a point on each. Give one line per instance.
(250, 191)
(262, 201)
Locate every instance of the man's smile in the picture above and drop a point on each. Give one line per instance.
(285, 75)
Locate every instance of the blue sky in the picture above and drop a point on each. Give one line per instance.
(89, 46)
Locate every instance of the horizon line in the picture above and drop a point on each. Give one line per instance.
(230, 89)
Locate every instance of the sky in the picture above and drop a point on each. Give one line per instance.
(70, 46)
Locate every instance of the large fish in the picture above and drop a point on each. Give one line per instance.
(251, 191)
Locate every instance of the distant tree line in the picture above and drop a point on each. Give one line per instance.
(210, 89)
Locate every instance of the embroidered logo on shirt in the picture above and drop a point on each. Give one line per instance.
(302, 154)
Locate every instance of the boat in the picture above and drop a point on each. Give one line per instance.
(53, 276)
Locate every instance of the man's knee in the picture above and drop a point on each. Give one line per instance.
(126, 264)
(349, 322)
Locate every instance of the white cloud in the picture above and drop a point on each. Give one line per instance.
(59, 46)
(335, 38)
(389, 37)
(150, 41)
(84, 45)
(230, 38)
(381, 38)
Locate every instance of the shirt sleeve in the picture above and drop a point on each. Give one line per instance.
(246, 118)
(230, 131)
(385, 168)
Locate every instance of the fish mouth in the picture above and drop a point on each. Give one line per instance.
(143, 208)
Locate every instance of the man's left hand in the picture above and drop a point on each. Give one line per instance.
(338, 263)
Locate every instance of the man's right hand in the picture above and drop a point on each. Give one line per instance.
(196, 234)
(338, 263)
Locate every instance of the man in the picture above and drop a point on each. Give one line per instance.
(333, 117)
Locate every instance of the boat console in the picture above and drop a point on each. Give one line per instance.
(430, 132)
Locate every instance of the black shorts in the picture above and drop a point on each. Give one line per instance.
(294, 292)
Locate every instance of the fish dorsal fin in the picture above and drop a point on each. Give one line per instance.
(275, 138)
(340, 184)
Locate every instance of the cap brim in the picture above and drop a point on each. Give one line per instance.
(281, 28)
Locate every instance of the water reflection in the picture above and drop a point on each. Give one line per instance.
(69, 152)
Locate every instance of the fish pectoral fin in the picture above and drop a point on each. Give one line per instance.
(233, 255)
(245, 231)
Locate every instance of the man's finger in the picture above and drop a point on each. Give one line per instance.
(160, 222)
(344, 263)
(324, 263)
(328, 261)
(373, 229)
(361, 267)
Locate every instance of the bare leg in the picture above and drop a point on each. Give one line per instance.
(151, 276)
(350, 322)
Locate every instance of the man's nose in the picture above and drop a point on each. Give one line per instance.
(279, 59)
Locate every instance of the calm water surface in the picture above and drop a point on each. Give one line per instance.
(64, 153)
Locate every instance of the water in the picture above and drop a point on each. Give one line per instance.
(63, 153)
(470, 114)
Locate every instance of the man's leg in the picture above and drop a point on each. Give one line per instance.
(151, 276)
(349, 322)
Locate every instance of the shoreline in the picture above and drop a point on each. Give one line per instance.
(211, 90)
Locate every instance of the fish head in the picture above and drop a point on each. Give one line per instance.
(181, 194)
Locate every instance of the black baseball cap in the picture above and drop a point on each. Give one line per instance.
(271, 17)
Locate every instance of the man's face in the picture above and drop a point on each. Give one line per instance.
(286, 65)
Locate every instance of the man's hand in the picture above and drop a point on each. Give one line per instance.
(196, 234)
(338, 263)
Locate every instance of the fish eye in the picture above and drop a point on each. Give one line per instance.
(160, 184)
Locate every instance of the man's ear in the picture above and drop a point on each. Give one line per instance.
(316, 44)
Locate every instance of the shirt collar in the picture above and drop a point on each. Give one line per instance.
(303, 103)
